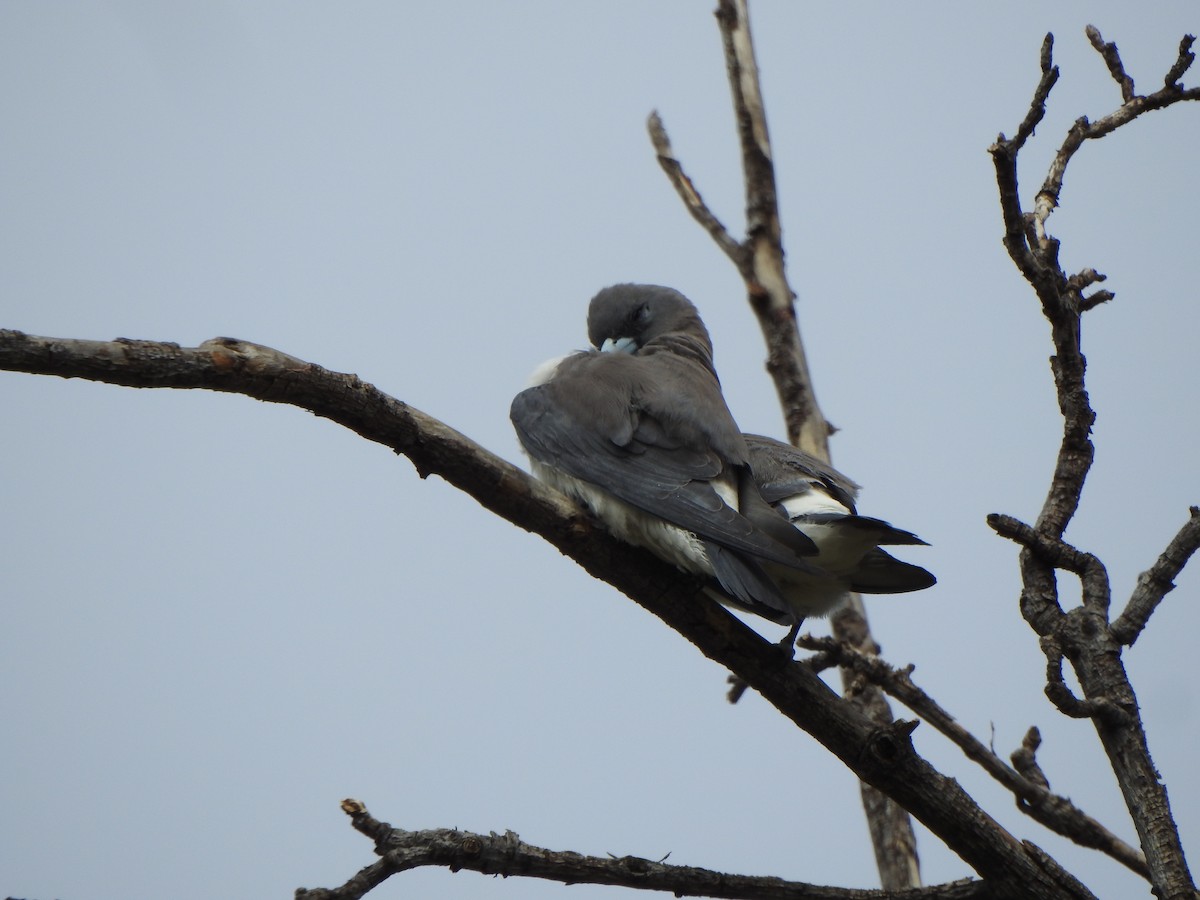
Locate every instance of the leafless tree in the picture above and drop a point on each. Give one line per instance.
(859, 728)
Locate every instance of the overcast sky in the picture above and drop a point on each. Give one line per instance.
(220, 617)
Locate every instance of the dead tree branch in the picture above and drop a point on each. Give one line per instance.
(759, 259)
(506, 854)
(1157, 581)
(880, 755)
(691, 196)
(1026, 781)
(1083, 635)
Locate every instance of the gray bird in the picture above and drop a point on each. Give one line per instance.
(638, 431)
(819, 500)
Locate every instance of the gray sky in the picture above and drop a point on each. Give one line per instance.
(221, 617)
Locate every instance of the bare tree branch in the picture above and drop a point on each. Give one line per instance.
(1058, 553)
(879, 755)
(1131, 107)
(1029, 785)
(506, 854)
(1157, 581)
(691, 197)
(1083, 635)
(1182, 64)
(1037, 106)
(1112, 59)
(767, 288)
(759, 259)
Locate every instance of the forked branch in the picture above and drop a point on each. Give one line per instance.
(881, 756)
(759, 259)
(1027, 784)
(1083, 634)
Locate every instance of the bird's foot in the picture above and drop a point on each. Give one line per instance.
(787, 646)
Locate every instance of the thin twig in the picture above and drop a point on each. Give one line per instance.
(1112, 59)
(690, 196)
(1132, 106)
(1037, 106)
(1182, 64)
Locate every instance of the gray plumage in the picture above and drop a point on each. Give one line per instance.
(820, 501)
(642, 436)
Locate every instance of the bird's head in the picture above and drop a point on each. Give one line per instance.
(626, 317)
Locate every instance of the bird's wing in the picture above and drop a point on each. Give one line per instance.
(783, 471)
(589, 425)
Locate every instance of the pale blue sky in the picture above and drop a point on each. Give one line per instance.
(221, 617)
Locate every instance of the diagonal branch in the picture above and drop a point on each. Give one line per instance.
(506, 854)
(880, 755)
(1155, 582)
(1033, 794)
(691, 197)
(767, 288)
(1182, 63)
(760, 261)
(1112, 59)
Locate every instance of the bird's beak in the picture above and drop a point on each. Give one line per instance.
(619, 345)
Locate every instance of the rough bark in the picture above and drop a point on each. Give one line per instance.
(1083, 635)
(760, 260)
(882, 756)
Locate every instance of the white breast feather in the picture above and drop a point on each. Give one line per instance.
(670, 542)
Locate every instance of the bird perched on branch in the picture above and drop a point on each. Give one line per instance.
(637, 430)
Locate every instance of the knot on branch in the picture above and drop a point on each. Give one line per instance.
(636, 864)
(889, 746)
(1024, 760)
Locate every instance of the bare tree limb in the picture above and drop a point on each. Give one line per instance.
(691, 197)
(1131, 107)
(759, 259)
(506, 854)
(1182, 64)
(1112, 59)
(1097, 593)
(1083, 635)
(1037, 106)
(892, 835)
(1157, 581)
(879, 755)
(767, 288)
(1029, 785)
